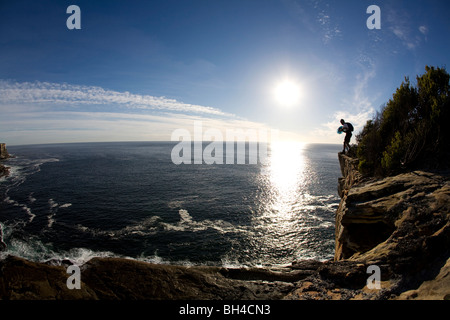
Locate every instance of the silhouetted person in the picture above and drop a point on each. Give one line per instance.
(348, 129)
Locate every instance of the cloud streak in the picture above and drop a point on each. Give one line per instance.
(320, 22)
(79, 126)
(42, 112)
(68, 95)
(402, 26)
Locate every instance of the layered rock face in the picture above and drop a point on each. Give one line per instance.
(3, 155)
(3, 152)
(401, 223)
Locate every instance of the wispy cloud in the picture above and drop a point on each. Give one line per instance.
(360, 101)
(330, 28)
(423, 30)
(81, 126)
(404, 35)
(402, 26)
(78, 95)
(315, 15)
(42, 112)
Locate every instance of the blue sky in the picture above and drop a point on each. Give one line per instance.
(138, 70)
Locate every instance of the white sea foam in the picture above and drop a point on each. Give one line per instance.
(187, 223)
(20, 169)
(152, 259)
(32, 248)
(52, 203)
(143, 228)
(24, 207)
(80, 256)
(31, 199)
(28, 211)
(175, 204)
(53, 209)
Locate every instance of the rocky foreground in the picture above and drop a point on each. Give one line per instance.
(400, 224)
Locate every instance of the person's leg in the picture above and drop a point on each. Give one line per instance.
(346, 142)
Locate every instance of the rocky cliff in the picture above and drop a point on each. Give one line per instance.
(400, 224)
(3, 155)
(3, 152)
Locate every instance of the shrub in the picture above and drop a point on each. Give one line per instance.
(392, 156)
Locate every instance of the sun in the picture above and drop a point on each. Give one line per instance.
(287, 93)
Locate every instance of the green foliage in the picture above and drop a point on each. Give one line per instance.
(393, 154)
(410, 131)
(368, 148)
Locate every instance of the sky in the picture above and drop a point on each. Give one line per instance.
(139, 70)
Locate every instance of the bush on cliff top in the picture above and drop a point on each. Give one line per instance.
(411, 131)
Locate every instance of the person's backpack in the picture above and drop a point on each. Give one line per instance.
(350, 126)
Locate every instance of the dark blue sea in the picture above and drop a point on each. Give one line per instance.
(128, 199)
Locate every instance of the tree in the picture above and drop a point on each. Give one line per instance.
(410, 131)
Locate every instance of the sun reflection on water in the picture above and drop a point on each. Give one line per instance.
(282, 217)
(286, 168)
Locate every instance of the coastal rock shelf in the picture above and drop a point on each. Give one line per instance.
(126, 279)
(401, 224)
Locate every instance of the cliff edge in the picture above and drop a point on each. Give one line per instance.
(400, 223)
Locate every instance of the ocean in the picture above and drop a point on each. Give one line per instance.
(128, 199)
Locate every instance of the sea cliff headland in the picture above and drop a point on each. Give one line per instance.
(400, 224)
(3, 155)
